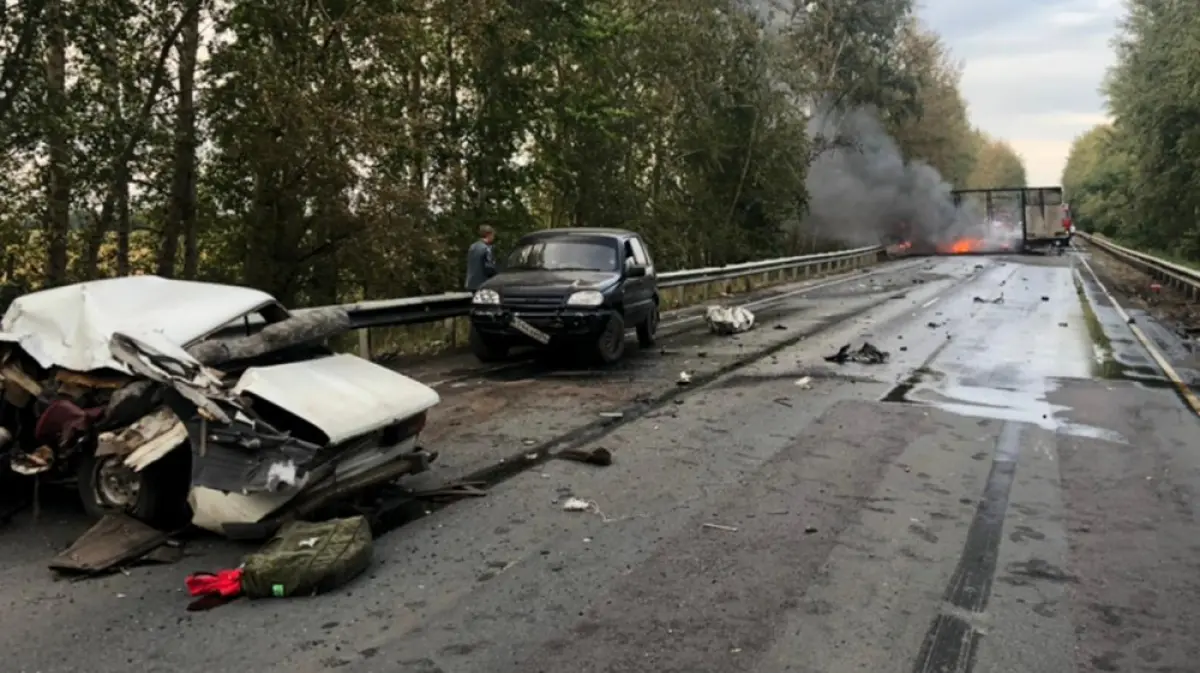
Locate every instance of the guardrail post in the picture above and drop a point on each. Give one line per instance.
(364, 343)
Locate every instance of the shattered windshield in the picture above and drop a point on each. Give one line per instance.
(564, 255)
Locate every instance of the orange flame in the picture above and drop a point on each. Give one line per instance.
(962, 246)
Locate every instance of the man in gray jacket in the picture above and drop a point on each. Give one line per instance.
(481, 264)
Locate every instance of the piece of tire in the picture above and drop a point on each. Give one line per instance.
(647, 332)
(162, 499)
(610, 344)
(485, 349)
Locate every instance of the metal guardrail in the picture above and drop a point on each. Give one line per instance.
(1181, 277)
(432, 308)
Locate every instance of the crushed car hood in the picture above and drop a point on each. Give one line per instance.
(342, 395)
(71, 326)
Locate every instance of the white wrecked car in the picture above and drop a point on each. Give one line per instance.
(157, 396)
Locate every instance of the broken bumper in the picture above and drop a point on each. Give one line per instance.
(252, 515)
(562, 324)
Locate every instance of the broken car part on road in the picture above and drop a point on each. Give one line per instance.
(867, 355)
(727, 320)
(157, 396)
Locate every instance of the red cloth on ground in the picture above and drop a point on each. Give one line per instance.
(214, 588)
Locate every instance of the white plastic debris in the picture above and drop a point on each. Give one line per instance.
(581, 505)
(684, 378)
(805, 382)
(576, 505)
(727, 320)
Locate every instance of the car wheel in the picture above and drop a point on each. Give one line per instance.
(610, 345)
(487, 349)
(157, 495)
(647, 332)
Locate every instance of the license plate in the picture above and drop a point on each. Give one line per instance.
(530, 331)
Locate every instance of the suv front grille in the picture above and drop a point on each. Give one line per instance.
(532, 303)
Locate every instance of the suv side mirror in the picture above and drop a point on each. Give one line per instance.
(635, 271)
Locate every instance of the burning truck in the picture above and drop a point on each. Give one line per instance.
(986, 221)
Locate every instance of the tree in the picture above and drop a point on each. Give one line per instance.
(997, 164)
(337, 150)
(1093, 180)
(1138, 178)
(940, 134)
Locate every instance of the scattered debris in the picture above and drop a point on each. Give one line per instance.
(598, 456)
(1156, 287)
(684, 379)
(805, 382)
(115, 541)
(997, 300)
(934, 325)
(783, 402)
(1062, 324)
(717, 526)
(1045, 298)
(781, 327)
(611, 414)
(35, 462)
(867, 355)
(453, 492)
(810, 529)
(576, 505)
(727, 320)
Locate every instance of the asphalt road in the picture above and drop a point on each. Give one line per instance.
(994, 498)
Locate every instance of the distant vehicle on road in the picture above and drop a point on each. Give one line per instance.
(568, 287)
(1037, 211)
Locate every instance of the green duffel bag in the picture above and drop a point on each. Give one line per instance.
(305, 559)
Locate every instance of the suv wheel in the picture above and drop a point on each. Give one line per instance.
(610, 345)
(487, 349)
(647, 331)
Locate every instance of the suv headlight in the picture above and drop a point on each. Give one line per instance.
(585, 298)
(486, 297)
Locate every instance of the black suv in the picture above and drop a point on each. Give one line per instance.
(568, 287)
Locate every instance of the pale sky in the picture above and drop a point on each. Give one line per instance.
(1032, 70)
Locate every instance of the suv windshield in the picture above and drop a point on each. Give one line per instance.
(564, 255)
